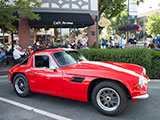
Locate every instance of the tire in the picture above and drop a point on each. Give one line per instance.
(109, 98)
(21, 85)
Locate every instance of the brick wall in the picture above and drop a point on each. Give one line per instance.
(24, 32)
(93, 33)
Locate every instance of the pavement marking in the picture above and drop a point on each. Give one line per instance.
(158, 80)
(4, 76)
(30, 108)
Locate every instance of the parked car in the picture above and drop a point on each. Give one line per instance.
(66, 73)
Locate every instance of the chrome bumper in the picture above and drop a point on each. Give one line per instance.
(141, 96)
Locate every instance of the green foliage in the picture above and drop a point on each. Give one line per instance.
(138, 2)
(147, 58)
(111, 8)
(56, 32)
(94, 45)
(26, 7)
(22, 7)
(6, 16)
(120, 20)
(153, 24)
(155, 64)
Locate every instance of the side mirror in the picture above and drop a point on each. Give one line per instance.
(53, 67)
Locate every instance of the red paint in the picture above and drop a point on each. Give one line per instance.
(58, 83)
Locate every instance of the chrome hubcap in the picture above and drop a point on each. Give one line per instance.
(20, 85)
(108, 99)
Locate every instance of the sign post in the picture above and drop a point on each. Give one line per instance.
(133, 12)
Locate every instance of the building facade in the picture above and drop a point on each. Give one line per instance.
(62, 14)
(142, 18)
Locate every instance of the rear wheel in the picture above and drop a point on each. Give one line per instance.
(21, 85)
(109, 98)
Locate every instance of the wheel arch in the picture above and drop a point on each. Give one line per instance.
(94, 82)
(14, 74)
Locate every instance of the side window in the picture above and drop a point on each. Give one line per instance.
(41, 61)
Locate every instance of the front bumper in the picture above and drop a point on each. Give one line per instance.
(142, 96)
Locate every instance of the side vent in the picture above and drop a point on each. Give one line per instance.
(77, 79)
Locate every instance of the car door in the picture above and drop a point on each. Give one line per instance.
(44, 79)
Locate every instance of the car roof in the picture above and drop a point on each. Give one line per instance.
(53, 50)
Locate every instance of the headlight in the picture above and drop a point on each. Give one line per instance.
(144, 71)
(142, 81)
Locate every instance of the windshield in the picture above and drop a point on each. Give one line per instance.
(66, 58)
(25, 61)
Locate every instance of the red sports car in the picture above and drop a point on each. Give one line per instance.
(66, 73)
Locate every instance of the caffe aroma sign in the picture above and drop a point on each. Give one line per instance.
(62, 23)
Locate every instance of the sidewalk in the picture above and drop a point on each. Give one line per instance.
(4, 70)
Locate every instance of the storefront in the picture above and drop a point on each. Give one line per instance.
(66, 16)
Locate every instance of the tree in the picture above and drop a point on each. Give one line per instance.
(139, 1)
(10, 12)
(6, 17)
(153, 23)
(111, 8)
(26, 7)
(120, 20)
(116, 12)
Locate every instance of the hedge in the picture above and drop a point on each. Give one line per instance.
(149, 59)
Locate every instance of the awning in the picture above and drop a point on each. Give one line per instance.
(62, 20)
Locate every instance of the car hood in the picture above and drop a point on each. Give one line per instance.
(89, 68)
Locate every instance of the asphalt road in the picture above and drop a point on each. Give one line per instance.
(45, 107)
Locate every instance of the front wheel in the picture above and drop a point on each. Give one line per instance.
(21, 85)
(109, 98)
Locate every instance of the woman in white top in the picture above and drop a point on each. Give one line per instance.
(122, 41)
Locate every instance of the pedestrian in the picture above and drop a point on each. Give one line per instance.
(158, 46)
(85, 46)
(17, 54)
(132, 39)
(157, 39)
(103, 43)
(152, 46)
(36, 46)
(2, 55)
(145, 45)
(112, 43)
(29, 51)
(122, 41)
